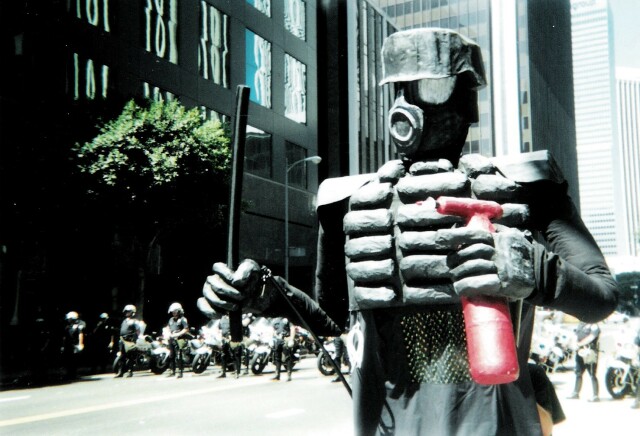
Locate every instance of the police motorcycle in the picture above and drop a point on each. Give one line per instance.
(260, 349)
(140, 350)
(623, 371)
(324, 365)
(204, 347)
(552, 347)
(160, 353)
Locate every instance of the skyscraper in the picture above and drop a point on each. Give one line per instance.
(594, 90)
(628, 100)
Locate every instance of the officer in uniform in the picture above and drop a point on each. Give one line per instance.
(586, 358)
(284, 334)
(130, 330)
(407, 266)
(178, 333)
(230, 350)
(72, 343)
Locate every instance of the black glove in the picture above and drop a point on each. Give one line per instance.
(226, 290)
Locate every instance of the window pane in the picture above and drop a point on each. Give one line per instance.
(258, 152)
(213, 53)
(161, 23)
(263, 6)
(295, 89)
(295, 17)
(258, 73)
(297, 173)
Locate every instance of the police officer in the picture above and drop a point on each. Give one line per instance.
(101, 342)
(130, 330)
(178, 334)
(586, 358)
(72, 343)
(284, 334)
(230, 350)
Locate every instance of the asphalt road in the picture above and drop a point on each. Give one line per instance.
(252, 405)
(148, 404)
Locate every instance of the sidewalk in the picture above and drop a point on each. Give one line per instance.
(606, 417)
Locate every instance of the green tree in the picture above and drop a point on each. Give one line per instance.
(160, 173)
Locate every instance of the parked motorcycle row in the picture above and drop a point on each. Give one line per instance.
(554, 347)
(205, 348)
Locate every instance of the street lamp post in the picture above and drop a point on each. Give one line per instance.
(314, 160)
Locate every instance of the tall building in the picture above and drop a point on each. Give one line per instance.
(596, 129)
(310, 96)
(61, 56)
(526, 47)
(628, 100)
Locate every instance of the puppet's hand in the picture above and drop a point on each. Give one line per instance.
(226, 290)
(501, 269)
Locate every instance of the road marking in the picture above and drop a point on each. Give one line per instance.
(285, 413)
(24, 397)
(120, 404)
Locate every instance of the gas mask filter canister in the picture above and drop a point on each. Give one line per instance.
(405, 125)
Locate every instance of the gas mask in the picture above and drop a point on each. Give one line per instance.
(405, 125)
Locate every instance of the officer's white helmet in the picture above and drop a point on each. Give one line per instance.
(176, 306)
(71, 316)
(129, 308)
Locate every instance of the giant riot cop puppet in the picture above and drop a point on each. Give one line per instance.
(408, 266)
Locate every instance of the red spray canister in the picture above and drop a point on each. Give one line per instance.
(490, 339)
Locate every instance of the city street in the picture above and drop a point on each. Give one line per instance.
(148, 404)
(203, 404)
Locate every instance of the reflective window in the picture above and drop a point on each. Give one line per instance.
(156, 94)
(295, 17)
(297, 173)
(295, 89)
(258, 68)
(90, 80)
(94, 12)
(210, 114)
(213, 52)
(161, 28)
(258, 152)
(263, 6)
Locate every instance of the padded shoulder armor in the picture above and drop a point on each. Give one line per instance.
(530, 167)
(338, 188)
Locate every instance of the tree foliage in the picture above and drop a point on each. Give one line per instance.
(152, 150)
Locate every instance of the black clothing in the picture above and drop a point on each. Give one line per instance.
(129, 331)
(570, 273)
(583, 331)
(98, 344)
(283, 351)
(70, 347)
(546, 393)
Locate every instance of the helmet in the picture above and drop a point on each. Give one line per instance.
(129, 308)
(104, 315)
(176, 306)
(71, 316)
(434, 54)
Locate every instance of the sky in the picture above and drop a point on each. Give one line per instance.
(626, 30)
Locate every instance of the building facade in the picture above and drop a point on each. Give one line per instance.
(310, 96)
(628, 100)
(60, 55)
(596, 125)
